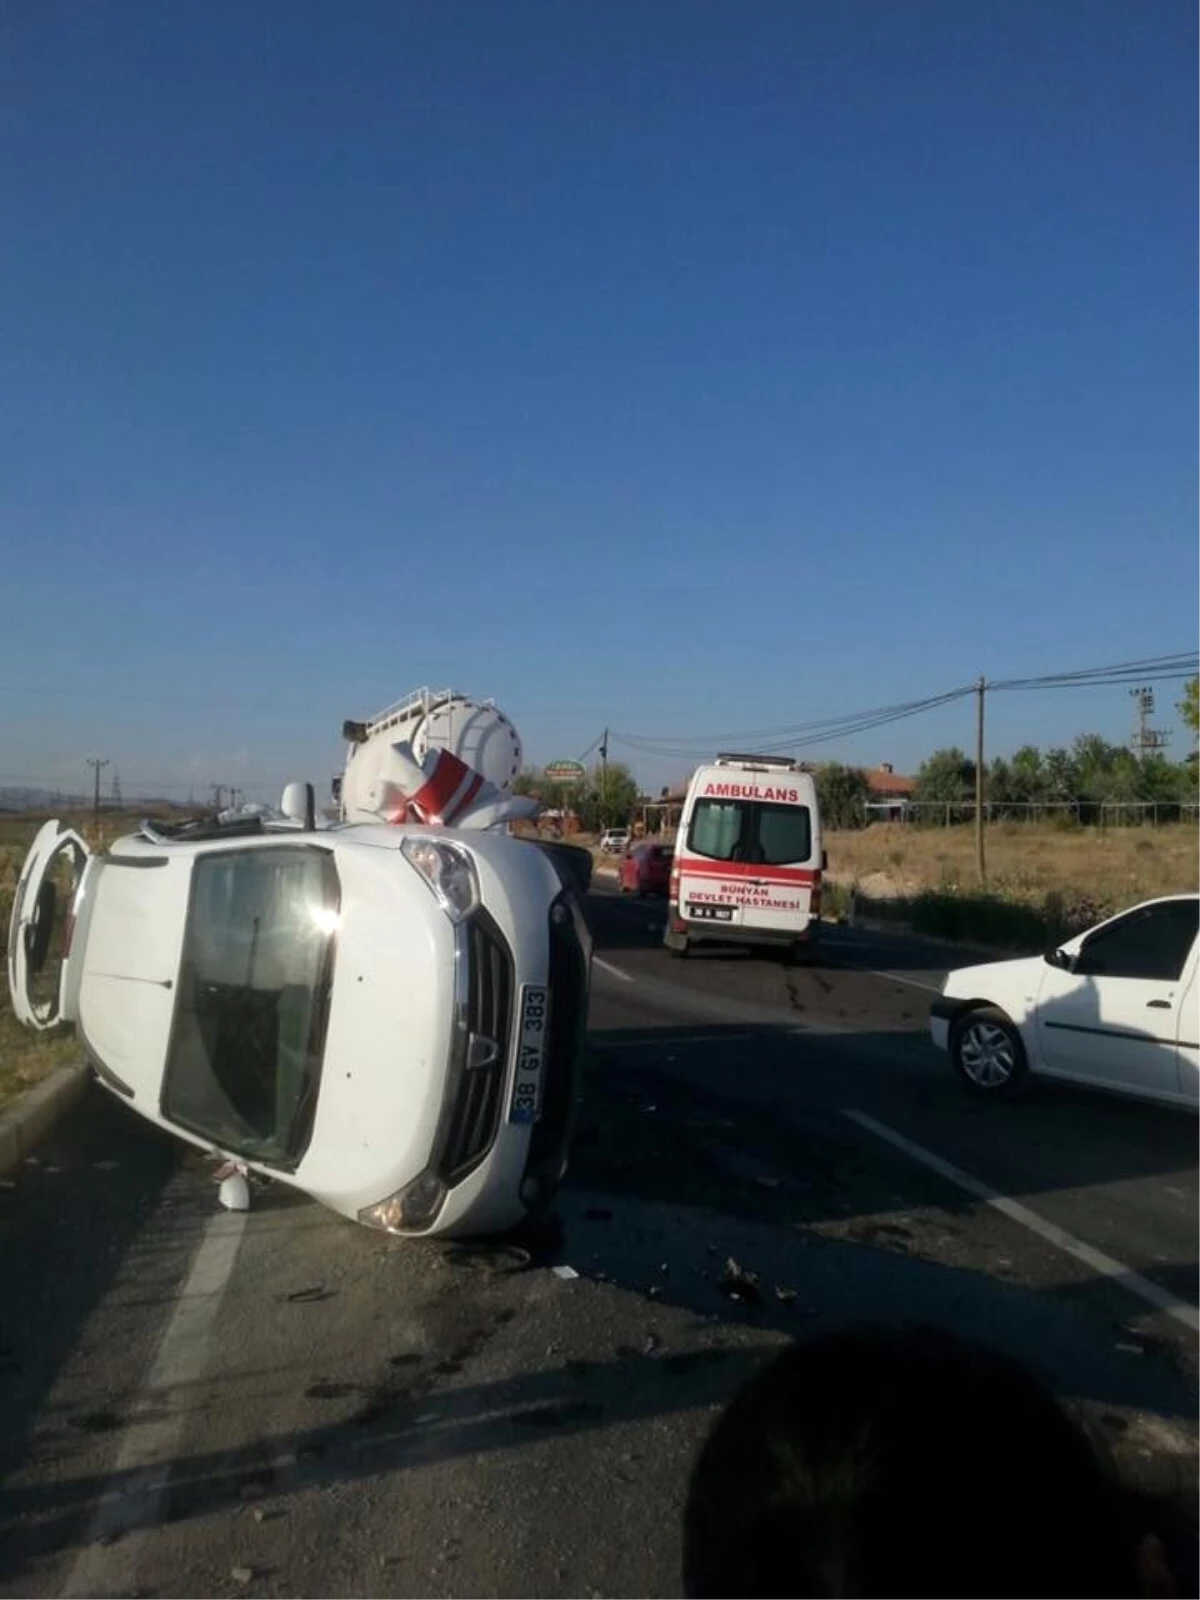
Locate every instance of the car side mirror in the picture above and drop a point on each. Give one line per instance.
(299, 804)
(1062, 959)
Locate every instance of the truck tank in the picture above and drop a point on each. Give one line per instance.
(474, 730)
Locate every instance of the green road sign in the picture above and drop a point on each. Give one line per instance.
(565, 771)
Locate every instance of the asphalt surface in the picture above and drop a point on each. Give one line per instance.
(283, 1403)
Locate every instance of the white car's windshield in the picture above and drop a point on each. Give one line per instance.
(244, 1063)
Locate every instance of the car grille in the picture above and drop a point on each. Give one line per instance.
(568, 1018)
(476, 1112)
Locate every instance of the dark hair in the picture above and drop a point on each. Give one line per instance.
(903, 1461)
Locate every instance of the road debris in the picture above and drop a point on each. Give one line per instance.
(784, 1296)
(242, 1575)
(564, 1272)
(653, 1344)
(739, 1283)
(234, 1193)
(308, 1296)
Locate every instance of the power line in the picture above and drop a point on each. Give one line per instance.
(802, 735)
(1183, 664)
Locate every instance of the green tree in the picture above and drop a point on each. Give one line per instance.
(607, 802)
(842, 795)
(946, 776)
(1189, 707)
(530, 781)
(1060, 778)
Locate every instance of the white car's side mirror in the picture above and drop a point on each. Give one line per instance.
(299, 804)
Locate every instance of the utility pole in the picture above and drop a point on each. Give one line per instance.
(1146, 740)
(96, 764)
(980, 866)
(604, 780)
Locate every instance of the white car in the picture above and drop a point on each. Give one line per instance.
(613, 841)
(1114, 1008)
(388, 1018)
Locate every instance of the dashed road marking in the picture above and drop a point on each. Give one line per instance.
(615, 972)
(1162, 1299)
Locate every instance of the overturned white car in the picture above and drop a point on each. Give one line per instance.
(387, 1017)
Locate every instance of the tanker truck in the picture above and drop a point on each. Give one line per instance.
(442, 758)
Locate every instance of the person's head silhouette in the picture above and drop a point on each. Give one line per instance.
(878, 1461)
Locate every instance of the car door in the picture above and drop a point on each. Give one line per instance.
(40, 929)
(1188, 1049)
(1113, 1018)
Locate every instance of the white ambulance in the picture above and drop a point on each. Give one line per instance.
(748, 859)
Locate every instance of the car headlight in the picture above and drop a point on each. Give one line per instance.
(448, 870)
(409, 1210)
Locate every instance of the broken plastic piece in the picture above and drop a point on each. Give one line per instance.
(564, 1272)
(234, 1193)
(739, 1283)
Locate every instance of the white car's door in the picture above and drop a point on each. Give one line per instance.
(1188, 1058)
(1114, 1019)
(39, 933)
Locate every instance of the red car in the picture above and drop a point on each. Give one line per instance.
(646, 869)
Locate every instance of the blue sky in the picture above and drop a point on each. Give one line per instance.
(680, 366)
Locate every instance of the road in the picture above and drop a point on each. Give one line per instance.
(282, 1403)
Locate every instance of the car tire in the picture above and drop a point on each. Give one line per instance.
(679, 951)
(988, 1054)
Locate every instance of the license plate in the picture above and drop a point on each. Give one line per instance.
(710, 913)
(531, 1054)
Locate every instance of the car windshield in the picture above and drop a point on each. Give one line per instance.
(757, 831)
(244, 1064)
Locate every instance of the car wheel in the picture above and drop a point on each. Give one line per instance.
(679, 951)
(988, 1055)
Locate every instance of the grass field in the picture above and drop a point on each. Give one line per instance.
(1044, 882)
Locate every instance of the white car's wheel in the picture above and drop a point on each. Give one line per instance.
(988, 1055)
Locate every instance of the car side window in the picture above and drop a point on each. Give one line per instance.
(1152, 942)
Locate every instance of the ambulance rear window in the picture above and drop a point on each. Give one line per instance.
(754, 831)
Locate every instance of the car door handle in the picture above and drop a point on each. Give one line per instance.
(1158, 1005)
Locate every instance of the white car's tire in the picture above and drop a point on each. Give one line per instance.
(988, 1054)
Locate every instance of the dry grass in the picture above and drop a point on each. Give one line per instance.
(1112, 867)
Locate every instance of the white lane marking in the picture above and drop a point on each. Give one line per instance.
(143, 1467)
(607, 966)
(1103, 1264)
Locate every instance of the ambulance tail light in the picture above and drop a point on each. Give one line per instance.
(678, 925)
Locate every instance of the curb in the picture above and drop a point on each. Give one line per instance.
(32, 1114)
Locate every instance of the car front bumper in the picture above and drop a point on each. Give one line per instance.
(495, 1170)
